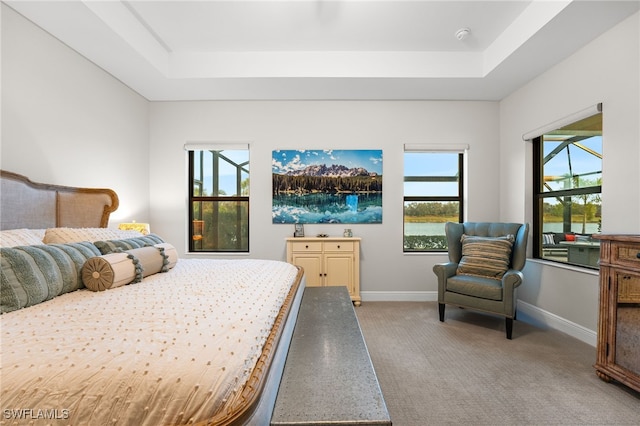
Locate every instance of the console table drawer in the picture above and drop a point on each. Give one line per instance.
(338, 246)
(306, 246)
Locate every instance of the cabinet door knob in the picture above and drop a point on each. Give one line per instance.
(306, 246)
(638, 255)
(338, 246)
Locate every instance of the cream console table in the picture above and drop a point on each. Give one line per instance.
(330, 261)
(618, 351)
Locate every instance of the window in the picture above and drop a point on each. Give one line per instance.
(219, 198)
(433, 190)
(567, 188)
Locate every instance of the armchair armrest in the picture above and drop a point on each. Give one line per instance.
(444, 271)
(512, 278)
(510, 281)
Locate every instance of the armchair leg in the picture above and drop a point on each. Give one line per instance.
(509, 327)
(441, 311)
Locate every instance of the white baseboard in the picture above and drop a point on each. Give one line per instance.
(526, 312)
(543, 319)
(399, 296)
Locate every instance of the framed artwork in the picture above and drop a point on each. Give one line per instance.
(299, 230)
(327, 186)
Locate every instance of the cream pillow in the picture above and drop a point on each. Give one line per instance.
(171, 255)
(108, 271)
(151, 259)
(116, 269)
(19, 237)
(74, 235)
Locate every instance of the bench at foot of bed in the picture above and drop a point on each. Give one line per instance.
(328, 377)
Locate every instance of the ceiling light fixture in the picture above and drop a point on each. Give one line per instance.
(463, 33)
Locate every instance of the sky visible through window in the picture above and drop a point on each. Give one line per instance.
(430, 164)
(227, 173)
(576, 162)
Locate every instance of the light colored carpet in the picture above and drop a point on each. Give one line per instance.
(464, 371)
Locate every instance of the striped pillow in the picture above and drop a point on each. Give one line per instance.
(488, 257)
(33, 274)
(115, 246)
(547, 240)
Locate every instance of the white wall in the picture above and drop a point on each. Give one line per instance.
(65, 121)
(319, 125)
(607, 70)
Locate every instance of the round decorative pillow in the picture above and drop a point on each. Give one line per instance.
(108, 271)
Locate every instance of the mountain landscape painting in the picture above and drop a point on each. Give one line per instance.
(327, 186)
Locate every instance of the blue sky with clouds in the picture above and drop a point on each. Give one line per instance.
(285, 160)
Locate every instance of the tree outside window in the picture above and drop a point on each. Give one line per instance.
(219, 200)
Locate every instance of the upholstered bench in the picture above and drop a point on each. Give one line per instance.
(328, 376)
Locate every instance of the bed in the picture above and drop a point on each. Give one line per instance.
(149, 339)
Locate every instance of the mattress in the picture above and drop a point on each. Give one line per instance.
(177, 348)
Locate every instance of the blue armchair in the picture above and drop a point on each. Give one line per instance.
(484, 268)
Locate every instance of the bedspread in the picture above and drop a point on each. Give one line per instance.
(172, 349)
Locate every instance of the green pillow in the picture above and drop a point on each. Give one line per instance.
(485, 256)
(33, 274)
(115, 246)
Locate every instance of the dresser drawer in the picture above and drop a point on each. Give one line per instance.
(306, 246)
(338, 246)
(628, 287)
(625, 254)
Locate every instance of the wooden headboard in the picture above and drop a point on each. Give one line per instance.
(27, 204)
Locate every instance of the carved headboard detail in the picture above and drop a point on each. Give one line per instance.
(27, 204)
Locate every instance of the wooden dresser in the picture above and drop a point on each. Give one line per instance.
(331, 261)
(618, 349)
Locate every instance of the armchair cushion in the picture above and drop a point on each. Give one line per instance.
(485, 256)
(484, 288)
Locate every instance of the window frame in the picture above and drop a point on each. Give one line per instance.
(461, 152)
(191, 150)
(539, 195)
